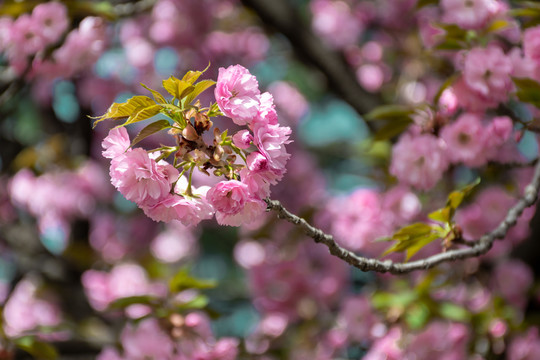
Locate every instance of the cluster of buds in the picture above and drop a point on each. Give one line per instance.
(245, 164)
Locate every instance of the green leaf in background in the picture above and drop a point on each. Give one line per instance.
(37, 349)
(386, 112)
(454, 312)
(131, 300)
(199, 302)
(151, 129)
(392, 128)
(183, 281)
(421, 3)
(417, 316)
(528, 91)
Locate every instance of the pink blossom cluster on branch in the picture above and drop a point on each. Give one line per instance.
(165, 194)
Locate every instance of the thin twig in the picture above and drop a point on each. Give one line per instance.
(480, 246)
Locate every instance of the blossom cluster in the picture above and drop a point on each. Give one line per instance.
(27, 39)
(165, 194)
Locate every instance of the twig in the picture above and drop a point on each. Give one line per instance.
(480, 246)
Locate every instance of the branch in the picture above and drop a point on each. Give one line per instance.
(480, 247)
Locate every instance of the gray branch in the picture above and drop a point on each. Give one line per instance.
(481, 246)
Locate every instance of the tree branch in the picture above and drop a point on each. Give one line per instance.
(480, 247)
(284, 18)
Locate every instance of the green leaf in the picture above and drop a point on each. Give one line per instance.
(421, 3)
(386, 112)
(199, 302)
(126, 109)
(498, 24)
(454, 312)
(151, 129)
(183, 281)
(37, 349)
(199, 88)
(456, 197)
(528, 91)
(417, 316)
(157, 96)
(382, 300)
(143, 114)
(192, 76)
(177, 87)
(131, 300)
(442, 215)
(392, 128)
(450, 44)
(414, 237)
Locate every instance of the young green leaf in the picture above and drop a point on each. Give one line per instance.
(199, 88)
(37, 349)
(131, 300)
(157, 96)
(151, 129)
(386, 112)
(183, 281)
(176, 87)
(126, 109)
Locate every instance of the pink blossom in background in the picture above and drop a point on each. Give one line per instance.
(419, 160)
(466, 140)
(531, 43)
(370, 76)
(357, 318)
(470, 99)
(27, 308)
(468, 14)
(25, 36)
(289, 101)
(439, 340)
(52, 20)
(335, 23)
(358, 220)
(146, 340)
(386, 347)
(513, 279)
(174, 244)
(487, 71)
(401, 204)
(525, 347)
(237, 94)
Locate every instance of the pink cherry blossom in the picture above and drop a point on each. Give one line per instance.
(335, 23)
(233, 203)
(468, 14)
(52, 20)
(140, 179)
(237, 94)
(357, 317)
(487, 71)
(513, 279)
(116, 143)
(27, 308)
(146, 340)
(358, 220)
(271, 140)
(531, 43)
(25, 36)
(525, 347)
(465, 140)
(242, 139)
(419, 161)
